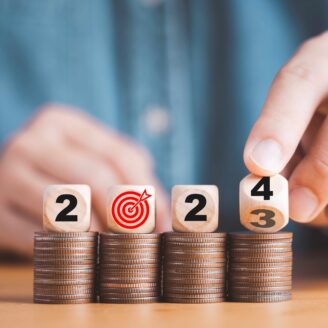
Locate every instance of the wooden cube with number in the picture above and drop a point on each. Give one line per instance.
(131, 209)
(264, 203)
(195, 208)
(66, 208)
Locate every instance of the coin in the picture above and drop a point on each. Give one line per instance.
(192, 235)
(139, 300)
(220, 245)
(125, 295)
(258, 279)
(128, 290)
(132, 279)
(261, 299)
(237, 288)
(215, 299)
(130, 285)
(194, 264)
(46, 300)
(194, 290)
(260, 236)
(134, 236)
(65, 267)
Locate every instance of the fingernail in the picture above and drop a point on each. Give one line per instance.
(267, 154)
(302, 204)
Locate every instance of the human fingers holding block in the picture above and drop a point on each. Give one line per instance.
(297, 96)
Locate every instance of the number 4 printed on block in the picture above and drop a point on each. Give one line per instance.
(264, 203)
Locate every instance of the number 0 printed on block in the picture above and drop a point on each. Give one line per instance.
(66, 208)
(195, 208)
(264, 203)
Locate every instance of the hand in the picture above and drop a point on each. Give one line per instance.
(64, 145)
(291, 134)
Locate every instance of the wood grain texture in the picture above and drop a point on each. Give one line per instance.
(51, 208)
(121, 200)
(308, 308)
(181, 207)
(254, 210)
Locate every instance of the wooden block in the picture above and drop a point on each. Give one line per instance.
(131, 209)
(195, 208)
(264, 203)
(66, 208)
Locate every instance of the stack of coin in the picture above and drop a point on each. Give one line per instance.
(194, 267)
(65, 267)
(130, 268)
(260, 267)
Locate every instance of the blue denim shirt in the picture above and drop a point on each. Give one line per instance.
(185, 78)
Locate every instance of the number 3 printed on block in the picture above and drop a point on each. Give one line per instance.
(264, 203)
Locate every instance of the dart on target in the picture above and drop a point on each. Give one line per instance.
(133, 207)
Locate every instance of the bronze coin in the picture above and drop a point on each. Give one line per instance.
(67, 291)
(113, 256)
(259, 251)
(215, 299)
(260, 236)
(173, 235)
(195, 258)
(199, 242)
(175, 264)
(195, 276)
(65, 296)
(133, 280)
(65, 271)
(259, 278)
(83, 300)
(220, 245)
(285, 284)
(65, 244)
(128, 251)
(194, 296)
(130, 272)
(194, 290)
(132, 236)
(65, 276)
(128, 295)
(190, 281)
(63, 282)
(127, 290)
(260, 299)
(129, 285)
(90, 265)
(192, 270)
(238, 289)
(132, 266)
(65, 234)
(65, 253)
(140, 300)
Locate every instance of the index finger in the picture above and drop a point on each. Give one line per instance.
(299, 88)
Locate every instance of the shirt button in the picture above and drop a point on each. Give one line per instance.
(157, 119)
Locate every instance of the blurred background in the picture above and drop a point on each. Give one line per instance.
(184, 78)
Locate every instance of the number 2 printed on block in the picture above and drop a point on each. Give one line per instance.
(264, 203)
(195, 208)
(66, 208)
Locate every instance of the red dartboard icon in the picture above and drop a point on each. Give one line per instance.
(130, 209)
